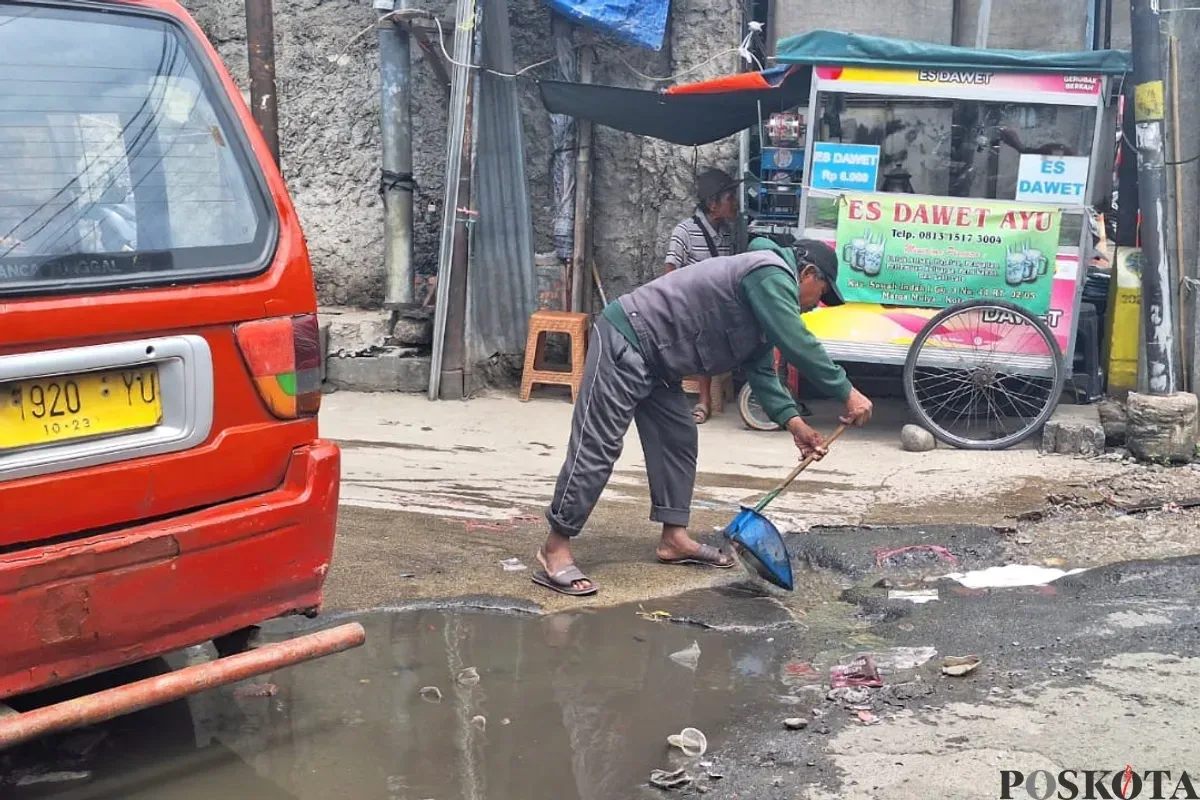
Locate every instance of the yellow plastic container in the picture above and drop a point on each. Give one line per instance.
(1124, 314)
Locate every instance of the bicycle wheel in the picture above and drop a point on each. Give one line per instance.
(984, 375)
(752, 411)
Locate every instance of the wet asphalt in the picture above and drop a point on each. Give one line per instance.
(578, 704)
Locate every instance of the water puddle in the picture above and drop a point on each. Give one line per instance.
(567, 706)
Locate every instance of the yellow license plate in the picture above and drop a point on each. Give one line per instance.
(65, 407)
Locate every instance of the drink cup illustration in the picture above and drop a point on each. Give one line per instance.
(873, 258)
(853, 253)
(1014, 267)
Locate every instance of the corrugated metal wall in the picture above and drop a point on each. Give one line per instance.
(502, 281)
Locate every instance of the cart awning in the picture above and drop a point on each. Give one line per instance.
(836, 48)
(692, 114)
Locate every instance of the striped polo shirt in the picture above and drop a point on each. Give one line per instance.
(689, 245)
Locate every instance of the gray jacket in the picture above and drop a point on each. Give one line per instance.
(695, 321)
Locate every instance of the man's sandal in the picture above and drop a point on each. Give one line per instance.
(564, 580)
(705, 556)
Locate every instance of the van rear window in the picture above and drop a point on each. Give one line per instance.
(120, 161)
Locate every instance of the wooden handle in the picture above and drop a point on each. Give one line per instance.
(803, 465)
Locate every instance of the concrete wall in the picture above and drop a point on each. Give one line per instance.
(329, 119)
(922, 20)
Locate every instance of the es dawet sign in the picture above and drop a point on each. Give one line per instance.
(1052, 179)
(930, 253)
(845, 166)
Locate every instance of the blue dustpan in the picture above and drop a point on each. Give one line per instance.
(756, 540)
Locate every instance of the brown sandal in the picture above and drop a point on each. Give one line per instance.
(705, 556)
(564, 580)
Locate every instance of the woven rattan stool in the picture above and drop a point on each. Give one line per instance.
(575, 326)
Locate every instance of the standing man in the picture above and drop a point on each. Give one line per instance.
(726, 311)
(704, 235)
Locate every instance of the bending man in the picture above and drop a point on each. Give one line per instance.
(727, 311)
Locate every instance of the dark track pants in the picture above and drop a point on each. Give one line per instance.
(618, 388)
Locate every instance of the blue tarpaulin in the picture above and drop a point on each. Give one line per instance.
(851, 49)
(640, 22)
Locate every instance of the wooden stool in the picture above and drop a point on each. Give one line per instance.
(575, 326)
(721, 390)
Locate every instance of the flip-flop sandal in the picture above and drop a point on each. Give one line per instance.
(706, 556)
(563, 580)
(700, 414)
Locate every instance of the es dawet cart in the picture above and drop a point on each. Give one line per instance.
(956, 186)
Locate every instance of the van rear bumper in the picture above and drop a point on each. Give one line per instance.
(81, 607)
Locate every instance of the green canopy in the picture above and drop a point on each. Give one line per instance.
(837, 48)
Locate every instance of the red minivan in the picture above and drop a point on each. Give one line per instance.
(162, 482)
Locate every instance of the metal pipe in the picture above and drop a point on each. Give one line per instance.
(111, 703)
(456, 135)
(1148, 107)
(396, 179)
(260, 48)
(981, 25)
(1108, 12)
(580, 256)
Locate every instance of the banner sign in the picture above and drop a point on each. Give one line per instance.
(983, 81)
(1052, 179)
(845, 166)
(902, 250)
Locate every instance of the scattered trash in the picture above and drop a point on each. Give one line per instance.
(691, 741)
(859, 672)
(715, 776)
(817, 713)
(689, 657)
(795, 723)
(882, 556)
(479, 721)
(364, 681)
(867, 718)
(917, 596)
(850, 696)
(54, 777)
(957, 666)
(468, 677)
(1010, 576)
(673, 779)
(408, 574)
(799, 673)
(506, 721)
(431, 694)
(256, 690)
(1023, 539)
(653, 616)
(901, 658)
(512, 565)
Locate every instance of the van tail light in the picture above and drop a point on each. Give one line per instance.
(284, 357)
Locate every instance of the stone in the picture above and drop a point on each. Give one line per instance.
(1114, 417)
(413, 328)
(795, 723)
(357, 333)
(1162, 428)
(1074, 431)
(916, 439)
(392, 369)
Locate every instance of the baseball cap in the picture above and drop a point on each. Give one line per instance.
(823, 257)
(712, 182)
